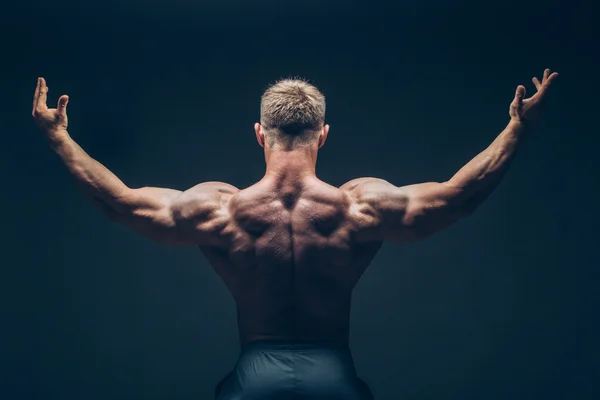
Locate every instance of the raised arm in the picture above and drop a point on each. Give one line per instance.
(172, 217)
(409, 213)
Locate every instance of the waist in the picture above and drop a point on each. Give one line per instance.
(312, 357)
(295, 345)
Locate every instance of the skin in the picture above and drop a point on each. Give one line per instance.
(291, 247)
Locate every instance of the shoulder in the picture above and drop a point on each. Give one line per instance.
(374, 192)
(204, 198)
(358, 185)
(213, 187)
(210, 190)
(202, 214)
(374, 203)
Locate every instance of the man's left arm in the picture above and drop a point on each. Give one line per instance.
(166, 216)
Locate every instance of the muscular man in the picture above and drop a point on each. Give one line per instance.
(291, 247)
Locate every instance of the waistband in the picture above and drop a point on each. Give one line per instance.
(294, 345)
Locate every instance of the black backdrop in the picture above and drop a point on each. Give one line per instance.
(502, 305)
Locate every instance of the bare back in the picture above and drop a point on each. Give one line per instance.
(291, 259)
(291, 248)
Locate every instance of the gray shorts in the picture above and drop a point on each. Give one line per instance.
(270, 370)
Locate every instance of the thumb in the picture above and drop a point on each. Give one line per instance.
(62, 105)
(520, 94)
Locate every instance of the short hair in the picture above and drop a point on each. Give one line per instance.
(293, 112)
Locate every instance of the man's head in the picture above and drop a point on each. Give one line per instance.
(292, 115)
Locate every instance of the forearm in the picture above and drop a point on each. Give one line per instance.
(480, 176)
(92, 177)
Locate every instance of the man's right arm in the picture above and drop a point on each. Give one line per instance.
(410, 213)
(413, 212)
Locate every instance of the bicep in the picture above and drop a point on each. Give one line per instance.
(406, 213)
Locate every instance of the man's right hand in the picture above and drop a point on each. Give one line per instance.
(52, 121)
(524, 110)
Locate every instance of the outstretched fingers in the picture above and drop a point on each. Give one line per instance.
(40, 97)
(36, 95)
(517, 103)
(551, 78)
(547, 79)
(546, 74)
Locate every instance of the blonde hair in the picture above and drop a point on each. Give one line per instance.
(293, 112)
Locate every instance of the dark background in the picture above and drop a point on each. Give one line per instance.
(502, 305)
